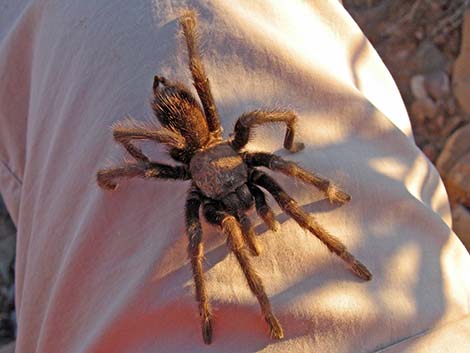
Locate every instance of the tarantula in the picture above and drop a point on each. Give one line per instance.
(225, 181)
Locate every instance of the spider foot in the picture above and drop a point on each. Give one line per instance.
(105, 183)
(268, 217)
(207, 329)
(335, 195)
(255, 248)
(357, 267)
(275, 226)
(296, 147)
(275, 328)
(188, 20)
(361, 271)
(157, 80)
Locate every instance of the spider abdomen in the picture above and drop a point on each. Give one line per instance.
(218, 171)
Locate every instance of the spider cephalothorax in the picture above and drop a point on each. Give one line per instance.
(225, 181)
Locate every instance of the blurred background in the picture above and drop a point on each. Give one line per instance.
(7, 292)
(426, 46)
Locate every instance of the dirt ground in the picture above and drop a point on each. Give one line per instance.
(426, 46)
(419, 41)
(419, 37)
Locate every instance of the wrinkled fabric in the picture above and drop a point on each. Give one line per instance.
(107, 272)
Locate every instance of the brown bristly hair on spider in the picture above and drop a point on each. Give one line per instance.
(226, 181)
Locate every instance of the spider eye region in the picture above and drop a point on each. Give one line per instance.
(218, 171)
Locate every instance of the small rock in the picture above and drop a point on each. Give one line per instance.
(457, 146)
(451, 124)
(430, 151)
(437, 84)
(461, 224)
(429, 58)
(461, 70)
(451, 106)
(417, 87)
(423, 108)
(454, 165)
(402, 54)
(458, 180)
(419, 35)
(440, 121)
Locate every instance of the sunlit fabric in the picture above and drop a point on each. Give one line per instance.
(102, 272)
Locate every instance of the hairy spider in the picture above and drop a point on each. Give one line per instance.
(224, 180)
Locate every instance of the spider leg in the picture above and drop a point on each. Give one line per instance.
(258, 117)
(231, 229)
(235, 203)
(249, 234)
(200, 80)
(278, 164)
(264, 211)
(177, 109)
(126, 131)
(292, 208)
(196, 253)
(106, 177)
